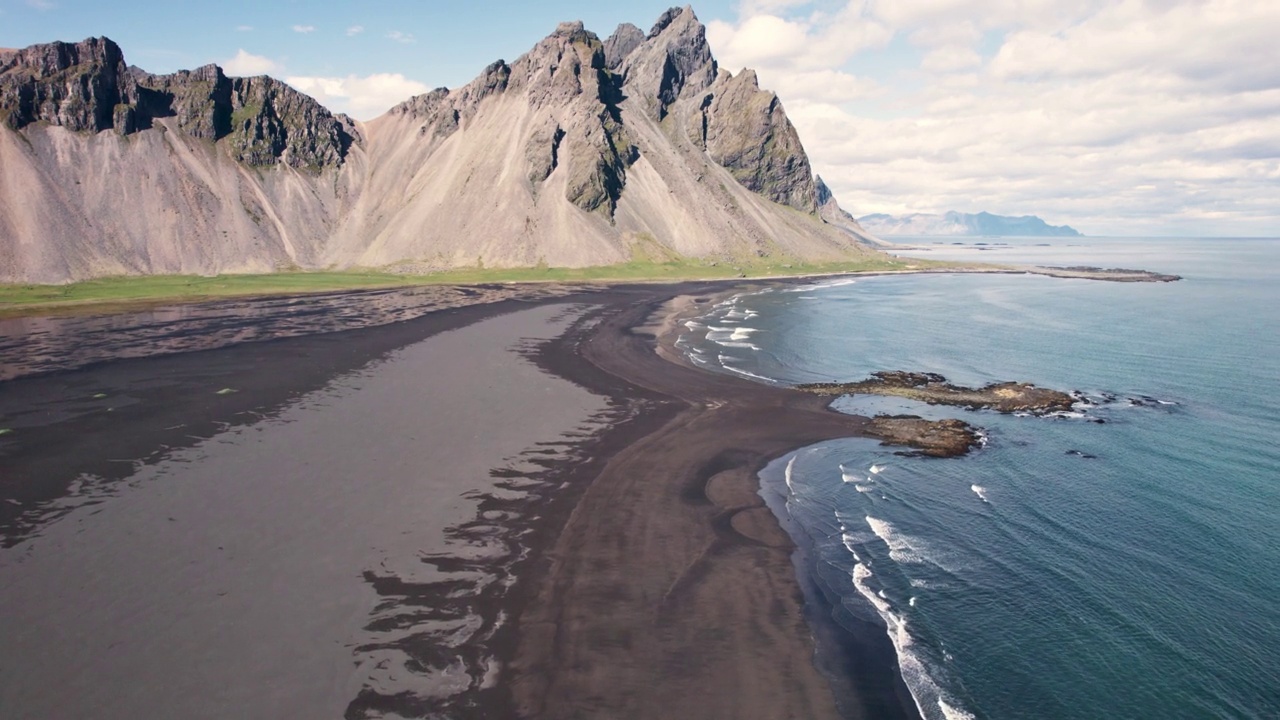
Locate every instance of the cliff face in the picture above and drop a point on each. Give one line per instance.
(86, 87)
(580, 152)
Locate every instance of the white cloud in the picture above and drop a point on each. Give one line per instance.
(304, 29)
(401, 37)
(244, 28)
(950, 58)
(362, 97)
(42, 4)
(1109, 115)
(355, 30)
(246, 64)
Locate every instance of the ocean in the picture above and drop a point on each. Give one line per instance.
(1121, 561)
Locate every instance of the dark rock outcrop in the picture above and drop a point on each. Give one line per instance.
(934, 438)
(747, 132)
(674, 61)
(565, 76)
(932, 388)
(621, 43)
(79, 86)
(86, 87)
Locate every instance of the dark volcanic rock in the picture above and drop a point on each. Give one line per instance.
(1112, 274)
(745, 130)
(674, 61)
(621, 43)
(75, 85)
(566, 81)
(935, 438)
(934, 389)
(86, 87)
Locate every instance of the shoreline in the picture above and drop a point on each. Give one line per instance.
(13, 310)
(657, 516)
(697, 575)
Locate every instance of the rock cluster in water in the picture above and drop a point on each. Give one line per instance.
(932, 388)
(935, 438)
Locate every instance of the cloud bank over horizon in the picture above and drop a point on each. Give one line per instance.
(1129, 117)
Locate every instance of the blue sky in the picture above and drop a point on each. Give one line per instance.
(438, 43)
(1126, 117)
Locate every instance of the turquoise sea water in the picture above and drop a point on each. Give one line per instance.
(1071, 568)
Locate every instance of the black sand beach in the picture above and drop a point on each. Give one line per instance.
(515, 509)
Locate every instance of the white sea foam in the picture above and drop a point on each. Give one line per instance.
(742, 333)
(951, 712)
(847, 476)
(877, 469)
(980, 491)
(850, 543)
(924, 689)
(860, 574)
(693, 325)
(820, 286)
(900, 548)
(912, 601)
(787, 475)
(747, 373)
(864, 488)
(725, 337)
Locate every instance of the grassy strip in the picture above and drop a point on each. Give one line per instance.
(102, 293)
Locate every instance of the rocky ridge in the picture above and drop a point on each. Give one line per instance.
(86, 87)
(932, 388)
(580, 152)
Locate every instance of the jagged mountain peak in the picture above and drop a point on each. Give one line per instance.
(87, 87)
(621, 43)
(674, 61)
(670, 16)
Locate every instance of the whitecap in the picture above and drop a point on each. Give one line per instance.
(980, 491)
(877, 469)
(951, 712)
(864, 488)
(925, 690)
(787, 475)
(899, 548)
(746, 373)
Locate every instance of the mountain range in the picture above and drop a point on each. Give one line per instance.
(957, 223)
(581, 152)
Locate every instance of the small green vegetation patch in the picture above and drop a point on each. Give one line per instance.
(135, 290)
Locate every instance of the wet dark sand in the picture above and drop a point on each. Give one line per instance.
(599, 549)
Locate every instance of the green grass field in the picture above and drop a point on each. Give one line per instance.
(131, 291)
